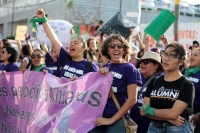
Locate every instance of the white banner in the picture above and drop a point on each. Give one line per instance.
(60, 27)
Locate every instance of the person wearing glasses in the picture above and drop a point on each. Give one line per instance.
(8, 57)
(168, 97)
(76, 64)
(125, 81)
(150, 67)
(38, 61)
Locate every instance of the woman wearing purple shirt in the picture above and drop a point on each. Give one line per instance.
(51, 60)
(76, 64)
(8, 57)
(125, 81)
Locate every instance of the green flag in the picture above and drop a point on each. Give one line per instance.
(160, 24)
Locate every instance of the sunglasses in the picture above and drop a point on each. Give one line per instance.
(33, 56)
(146, 62)
(2, 51)
(119, 46)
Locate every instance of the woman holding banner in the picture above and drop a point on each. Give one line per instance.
(74, 65)
(125, 81)
(8, 57)
(169, 97)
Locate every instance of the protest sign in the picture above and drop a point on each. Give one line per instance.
(36, 103)
(160, 24)
(118, 24)
(60, 27)
(20, 32)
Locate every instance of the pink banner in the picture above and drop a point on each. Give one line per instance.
(36, 103)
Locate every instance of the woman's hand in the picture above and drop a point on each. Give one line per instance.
(147, 40)
(164, 39)
(195, 119)
(104, 71)
(3, 72)
(103, 121)
(45, 71)
(142, 112)
(178, 122)
(40, 13)
(73, 78)
(137, 37)
(23, 70)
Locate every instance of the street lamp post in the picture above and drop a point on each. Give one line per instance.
(176, 23)
(120, 8)
(12, 18)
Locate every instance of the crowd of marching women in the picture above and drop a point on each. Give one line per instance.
(157, 89)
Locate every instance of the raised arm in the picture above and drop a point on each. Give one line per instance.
(28, 42)
(19, 45)
(164, 39)
(137, 37)
(44, 48)
(50, 33)
(146, 42)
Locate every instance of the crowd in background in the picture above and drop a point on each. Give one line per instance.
(149, 82)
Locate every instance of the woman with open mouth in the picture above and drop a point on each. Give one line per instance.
(73, 64)
(8, 57)
(193, 74)
(125, 81)
(38, 61)
(169, 98)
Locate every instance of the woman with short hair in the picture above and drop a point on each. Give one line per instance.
(8, 57)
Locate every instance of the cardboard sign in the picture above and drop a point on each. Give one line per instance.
(160, 24)
(20, 32)
(60, 27)
(118, 24)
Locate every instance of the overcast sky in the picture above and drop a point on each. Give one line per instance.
(193, 2)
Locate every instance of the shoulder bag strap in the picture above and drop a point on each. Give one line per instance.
(118, 106)
(148, 81)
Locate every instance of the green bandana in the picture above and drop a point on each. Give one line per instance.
(191, 70)
(39, 68)
(40, 20)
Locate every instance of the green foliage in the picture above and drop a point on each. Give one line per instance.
(70, 3)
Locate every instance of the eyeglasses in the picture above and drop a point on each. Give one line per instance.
(119, 46)
(169, 56)
(146, 62)
(33, 56)
(2, 51)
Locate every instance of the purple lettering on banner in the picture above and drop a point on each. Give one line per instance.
(36, 103)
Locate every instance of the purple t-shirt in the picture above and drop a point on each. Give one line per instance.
(11, 67)
(53, 66)
(195, 79)
(123, 75)
(73, 68)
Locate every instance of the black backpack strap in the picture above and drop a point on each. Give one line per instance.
(148, 81)
(64, 63)
(88, 66)
(156, 79)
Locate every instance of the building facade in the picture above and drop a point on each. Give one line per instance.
(89, 12)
